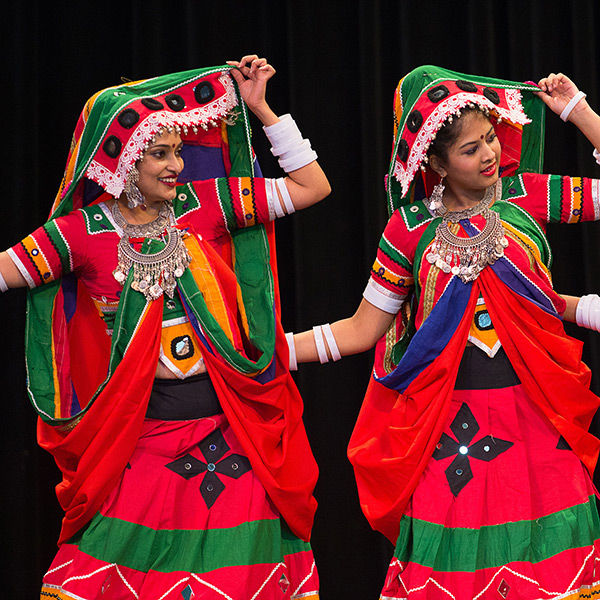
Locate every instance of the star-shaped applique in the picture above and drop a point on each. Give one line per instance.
(213, 449)
(465, 428)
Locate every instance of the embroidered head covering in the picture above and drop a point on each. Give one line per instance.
(427, 96)
(117, 125)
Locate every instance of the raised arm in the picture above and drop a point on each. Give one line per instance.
(306, 183)
(563, 97)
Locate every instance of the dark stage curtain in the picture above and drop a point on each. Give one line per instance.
(338, 63)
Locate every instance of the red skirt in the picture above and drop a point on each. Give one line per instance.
(188, 519)
(503, 510)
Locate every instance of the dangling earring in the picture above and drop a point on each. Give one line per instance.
(132, 192)
(435, 200)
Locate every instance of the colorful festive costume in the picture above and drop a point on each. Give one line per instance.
(477, 462)
(161, 501)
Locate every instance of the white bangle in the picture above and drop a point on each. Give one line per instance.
(330, 338)
(282, 132)
(564, 115)
(587, 313)
(274, 200)
(299, 156)
(3, 286)
(285, 196)
(596, 155)
(320, 344)
(292, 348)
(287, 143)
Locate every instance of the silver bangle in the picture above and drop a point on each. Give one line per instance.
(320, 344)
(330, 338)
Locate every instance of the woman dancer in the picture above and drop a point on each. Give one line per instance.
(471, 451)
(155, 356)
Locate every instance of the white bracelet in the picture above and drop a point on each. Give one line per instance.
(274, 200)
(3, 286)
(587, 313)
(320, 344)
(564, 115)
(292, 347)
(282, 132)
(285, 196)
(597, 155)
(287, 143)
(299, 156)
(330, 338)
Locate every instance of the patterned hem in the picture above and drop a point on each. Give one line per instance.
(517, 580)
(226, 584)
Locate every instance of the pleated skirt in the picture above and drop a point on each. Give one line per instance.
(504, 510)
(188, 520)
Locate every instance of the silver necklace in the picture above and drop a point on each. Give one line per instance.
(467, 257)
(154, 229)
(153, 274)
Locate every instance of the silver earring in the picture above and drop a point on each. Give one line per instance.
(435, 200)
(132, 192)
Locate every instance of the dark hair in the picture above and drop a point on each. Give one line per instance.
(450, 130)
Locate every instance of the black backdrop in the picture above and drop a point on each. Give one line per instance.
(338, 63)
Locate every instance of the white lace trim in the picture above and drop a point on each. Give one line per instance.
(449, 106)
(201, 116)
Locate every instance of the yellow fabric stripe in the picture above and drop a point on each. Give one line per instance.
(240, 299)
(527, 244)
(57, 394)
(247, 199)
(208, 285)
(576, 199)
(37, 257)
(388, 275)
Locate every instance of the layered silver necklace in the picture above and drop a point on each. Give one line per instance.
(467, 257)
(153, 274)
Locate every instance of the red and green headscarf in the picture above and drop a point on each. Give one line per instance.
(117, 124)
(427, 96)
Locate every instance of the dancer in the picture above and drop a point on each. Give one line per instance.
(471, 451)
(155, 355)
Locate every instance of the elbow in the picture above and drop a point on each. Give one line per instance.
(322, 190)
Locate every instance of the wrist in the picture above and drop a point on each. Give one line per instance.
(581, 113)
(572, 106)
(265, 114)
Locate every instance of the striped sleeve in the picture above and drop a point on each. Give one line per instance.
(51, 251)
(391, 277)
(245, 201)
(557, 198)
